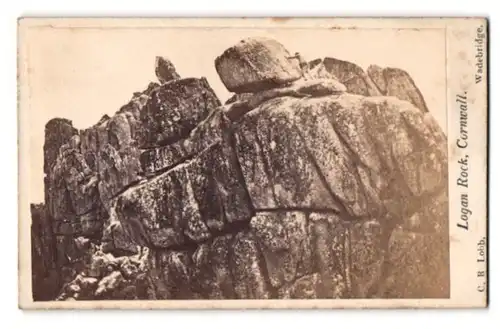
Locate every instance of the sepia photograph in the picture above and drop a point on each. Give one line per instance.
(224, 161)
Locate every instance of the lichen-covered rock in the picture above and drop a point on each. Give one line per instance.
(116, 173)
(327, 234)
(109, 283)
(276, 167)
(174, 109)
(318, 71)
(349, 74)
(128, 268)
(247, 268)
(91, 140)
(73, 203)
(212, 269)
(115, 237)
(57, 132)
(312, 287)
(162, 158)
(331, 153)
(107, 277)
(213, 129)
(366, 256)
(75, 182)
(398, 83)
(256, 64)
(88, 224)
(319, 87)
(81, 288)
(376, 73)
(165, 70)
(102, 264)
(177, 272)
(285, 242)
(191, 201)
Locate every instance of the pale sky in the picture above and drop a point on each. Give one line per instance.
(82, 74)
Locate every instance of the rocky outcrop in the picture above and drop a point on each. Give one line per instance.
(256, 64)
(288, 145)
(351, 75)
(165, 70)
(398, 83)
(376, 81)
(174, 109)
(57, 132)
(295, 188)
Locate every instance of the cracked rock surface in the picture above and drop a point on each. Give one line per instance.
(332, 185)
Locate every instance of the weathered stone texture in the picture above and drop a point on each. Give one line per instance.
(57, 132)
(213, 129)
(285, 242)
(298, 187)
(398, 83)
(247, 268)
(349, 74)
(191, 201)
(165, 70)
(309, 154)
(256, 64)
(174, 109)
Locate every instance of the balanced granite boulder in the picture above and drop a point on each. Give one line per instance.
(256, 64)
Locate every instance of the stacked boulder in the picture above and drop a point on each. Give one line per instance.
(289, 190)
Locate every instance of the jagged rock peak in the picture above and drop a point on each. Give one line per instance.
(256, 64)
(58, 131)
(165, 70)
(375, 81)
(398, 83)
(351, 75)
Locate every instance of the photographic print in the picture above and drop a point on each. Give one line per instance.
(252, 163)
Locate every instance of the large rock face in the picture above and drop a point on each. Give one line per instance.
(316, 188)
(332, 153)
